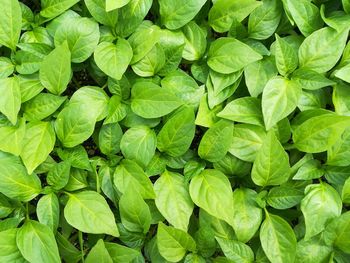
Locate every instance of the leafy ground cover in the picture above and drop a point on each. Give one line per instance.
(174, 131)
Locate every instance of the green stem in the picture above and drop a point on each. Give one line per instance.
(81, 243)
(98, 186)
(76, 82)
(27, 211)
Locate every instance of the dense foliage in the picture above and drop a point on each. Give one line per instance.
(174, 130)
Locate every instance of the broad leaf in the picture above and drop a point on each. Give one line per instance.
(86, 210)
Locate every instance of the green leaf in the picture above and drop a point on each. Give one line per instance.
(99, 253)
(82, 36)
(322, 59)
(74, 124)
(9, 251)
(195, 41)
(173, 199)
(246, 141)
(15, 182)
(48, 211)
(227, 55)
(247, 216)
(114, 4)
(277, 239)
(345, 193)
(216, 141)
(173, 243)
(176, 135)
(98, 9)
(318, 133)
(6, 67)
(245, 110)
(258, 73)
(113, 59)
(137, 41)
(121, 253)
(286, 56)
(10, 100)
(224, 12)
(55, 70)
(311, 80)
(313, 250)
(271, 166)
(58, 175)
(337, 232)
(109, 138)
(151, 63)
(236, 251)
(305, 14)
(309, 170)
(52, 8)
(11, 137)
(139, 144)
(264, 20)
(129, 175)
(320, 204)
(343, 73)
(42, 106)
(284, 197)
(86, 210)
(134, 212)
(151, 101)
(213, 184)
(38, 142)
(279, 99)
(10, 23)
(94, 98)
(131, 16)
(37, 243)
(177, 14)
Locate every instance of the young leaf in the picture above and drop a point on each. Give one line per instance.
(245, 110)
(55, 70)
(38, 142)
(215, 184)
(177, 134)
(134, 212)
(278, 239)
(139, 144)
(286, 56)
(173, 243)
(271, 166)
(99, 253)
(48, 211)
(151, 101)
(279, 99)
(235, 250)
(10, 23)
(86, 210)
(227, 55)
(322, 59)
(173, 199)
(129, 175)
(112, 59)
(176, 14)
(247, 216)
(10, 99)
(37, 243)
(224, 12)
(14, 180)
(210, 147)
(320, 204)
(264, 20)
(9, 251)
